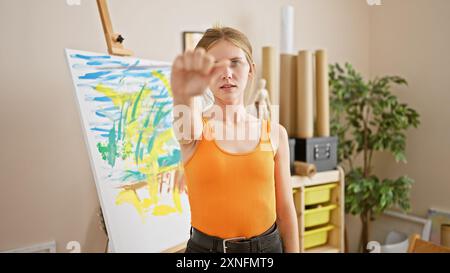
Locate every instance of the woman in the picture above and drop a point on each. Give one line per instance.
(239, 186)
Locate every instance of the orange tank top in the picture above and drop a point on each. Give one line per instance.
(231, 194)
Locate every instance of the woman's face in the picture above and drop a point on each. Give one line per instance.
(230, 85)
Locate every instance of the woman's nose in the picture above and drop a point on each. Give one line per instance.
(227, 74)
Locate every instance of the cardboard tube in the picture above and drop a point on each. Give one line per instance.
(304, 169)
(288, 94)
(271, 74)
(305, 116)
(287, 29)
(323, 96)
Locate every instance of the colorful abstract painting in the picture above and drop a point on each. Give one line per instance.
(126, 110)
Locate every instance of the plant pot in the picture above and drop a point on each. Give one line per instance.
(396, 242)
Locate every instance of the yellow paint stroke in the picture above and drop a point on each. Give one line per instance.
(132, 130)
(118, 98)
(130, 197)
(153, 188)
(149, 164)
(164, 80)
(162, 210)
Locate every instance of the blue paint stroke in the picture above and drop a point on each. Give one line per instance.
(94, 75)
(98, 63)
(170, 160)
(100, 129)
(100, 114)
(133, 176)
(85, 57)
(112, 77)
(102, 99)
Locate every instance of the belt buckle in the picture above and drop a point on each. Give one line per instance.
(224, 242)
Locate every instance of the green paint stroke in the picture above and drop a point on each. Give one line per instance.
(125, 116)
(119, 129)
(136, 152)
(136, 102)
(139, 152)
(103, 150)
(150, 143)
(112, 146)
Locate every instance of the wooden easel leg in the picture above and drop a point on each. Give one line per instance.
(113, 40)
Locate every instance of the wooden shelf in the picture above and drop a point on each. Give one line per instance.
(323, 249)
(319, 178)
(335, 240)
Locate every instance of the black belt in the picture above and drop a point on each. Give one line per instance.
(236, 245)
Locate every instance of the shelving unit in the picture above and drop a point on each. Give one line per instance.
(335, 236)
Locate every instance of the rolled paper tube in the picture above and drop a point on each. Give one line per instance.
(322, 95)
(304, 109)
(287, 30)
(288, 94)
(271, 74)
(304, 169)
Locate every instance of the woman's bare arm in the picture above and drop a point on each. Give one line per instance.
(192, 72)
(286, 215)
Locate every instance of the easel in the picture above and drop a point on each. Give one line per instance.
(115, 47)
(113, 40)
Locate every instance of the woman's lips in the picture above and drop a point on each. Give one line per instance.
(227, 87)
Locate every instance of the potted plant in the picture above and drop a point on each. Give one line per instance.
(368, 118)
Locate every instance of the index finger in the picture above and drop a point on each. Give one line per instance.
(222, 63)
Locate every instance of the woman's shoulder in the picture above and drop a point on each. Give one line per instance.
(278, 134)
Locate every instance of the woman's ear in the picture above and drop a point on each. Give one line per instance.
(251, 72)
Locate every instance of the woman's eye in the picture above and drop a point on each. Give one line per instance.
(235, 62)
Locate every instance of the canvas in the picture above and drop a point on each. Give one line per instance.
(126, 109)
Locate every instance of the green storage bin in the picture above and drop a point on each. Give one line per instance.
(316, 237)
(318, 194)
(318, 216)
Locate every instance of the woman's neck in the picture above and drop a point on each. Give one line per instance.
(230, 112)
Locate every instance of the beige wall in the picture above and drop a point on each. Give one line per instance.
(48, 190)
(410, 38)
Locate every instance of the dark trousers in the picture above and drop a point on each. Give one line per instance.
(268, 242)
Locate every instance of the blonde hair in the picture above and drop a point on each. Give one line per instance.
(217, 33)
